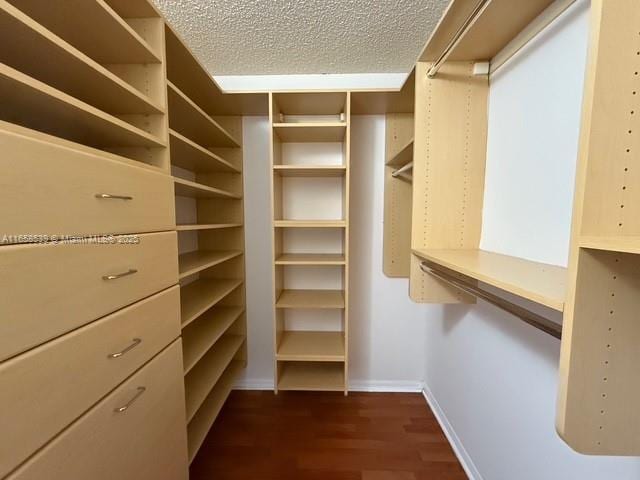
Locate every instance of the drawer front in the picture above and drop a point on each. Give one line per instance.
(51, 189)
(48, 290)
(47, 388)
(145, 441)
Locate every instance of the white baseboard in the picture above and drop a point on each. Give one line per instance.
(390, 386)
(464, 458)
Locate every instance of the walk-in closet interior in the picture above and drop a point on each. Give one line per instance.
(360, 240)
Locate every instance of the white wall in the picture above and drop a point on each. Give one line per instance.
(492, 377)
(387, 332)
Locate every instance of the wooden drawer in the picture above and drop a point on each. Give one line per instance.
(51, 189)
(147, 441)
(47, 290)
(47, 388)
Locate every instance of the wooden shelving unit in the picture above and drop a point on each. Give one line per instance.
(398, 192)
(206, 162)
(104, 91)
(306, 359)
(538, 282)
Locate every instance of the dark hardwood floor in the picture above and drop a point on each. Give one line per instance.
(326, 436)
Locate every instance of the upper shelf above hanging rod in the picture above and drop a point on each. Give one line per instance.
(468, 30)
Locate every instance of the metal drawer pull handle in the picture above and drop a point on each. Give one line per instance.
(131, 271)
(114, 197)
(121, 409)
(134, 344)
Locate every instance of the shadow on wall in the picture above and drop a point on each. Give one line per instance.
(364, 148)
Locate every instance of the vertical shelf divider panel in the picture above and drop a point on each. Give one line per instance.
(449, 164)
(306, 359)
(206, 161)
(599, 385)
(396, 249)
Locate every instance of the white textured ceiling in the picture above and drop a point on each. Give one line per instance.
(282, 37)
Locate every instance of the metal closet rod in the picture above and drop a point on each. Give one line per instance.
(533, 319)
(398, 172)
(457, 37)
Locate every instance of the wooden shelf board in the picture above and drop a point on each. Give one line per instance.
(307, 346)
(188, 119)
(624, 244)
(538, 282)
(326, 376)
(202, 378)
(310, 170)
(310, 103)
(205, 226)
(311, 299)
(202, 334)
(66, 69)
(201, 423)
(309, 223)
(33, 104)
(188, 154)
(500, 22)
(187, 188)
(310, 259)
(117, 42)
(199, 296)
(135, 9)
(310, 132)
(194, 262)
(403, 157)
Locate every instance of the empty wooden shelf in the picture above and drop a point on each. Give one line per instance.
(188, 119)
(310, 170)
(202, 378)
(624, 244)
(201, 423)
(199, 296)
(205, 226)
(311, 299)
(66, 69)
(311, 376)
(34, 104)
(77, 21)
(310, 259)
(188, 154)
(311, 346)
(194, 262)
(538, 282)
(310, 132)
(187, 188)
(201, 335)
(403, 157)
(310, 223)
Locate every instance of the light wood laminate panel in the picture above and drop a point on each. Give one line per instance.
(310, 299)
(310, 170)
(310, 259)
(310, 132)
(197, 297)
(186, 188)
(66, 68)
(450, 149)
(612, 244)
(56, 187)
(188, 154)
(47, 290)
(79, 21)
(33, 104)
(201, 423)
(309, 223)
(538, 282)
(311, 376)
(147, 441)
(203, 377)
(202, 334)
(194, 262)
(311, 346)
(48, 387)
